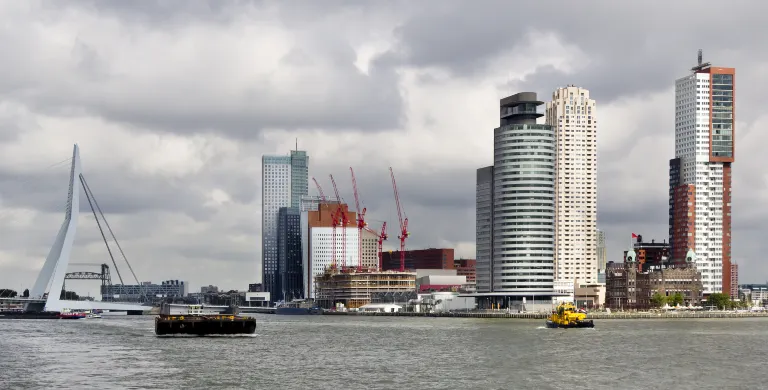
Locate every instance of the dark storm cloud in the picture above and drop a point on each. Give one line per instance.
(328, 91)
(628, 48)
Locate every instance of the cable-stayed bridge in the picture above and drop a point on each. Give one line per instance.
(45, 294)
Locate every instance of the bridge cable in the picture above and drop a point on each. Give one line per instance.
(87, 189)
(82, 181)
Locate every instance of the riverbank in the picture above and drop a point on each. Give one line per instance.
(541, 316)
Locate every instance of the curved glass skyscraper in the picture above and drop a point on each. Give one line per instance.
(516, 207)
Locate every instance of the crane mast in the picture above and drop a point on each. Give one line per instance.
(319, 189)
(342, 221)
(403, 222)
(360, 223)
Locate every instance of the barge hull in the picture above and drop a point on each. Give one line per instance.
(41, 315)
(578, 324)
(204, 326)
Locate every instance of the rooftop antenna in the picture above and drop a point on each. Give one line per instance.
(297, 138)
(701, 65)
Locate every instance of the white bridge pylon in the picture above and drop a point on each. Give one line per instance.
(51, 277)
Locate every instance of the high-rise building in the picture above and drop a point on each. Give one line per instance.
(700, 173)
(573, 115)
(283, 181)
(290, 270)
(602, 255)
(734, 281)
(515, 212)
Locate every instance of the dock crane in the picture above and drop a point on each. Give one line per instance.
(403, 222)
(360, 223)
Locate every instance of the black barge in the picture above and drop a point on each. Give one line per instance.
(200, 320)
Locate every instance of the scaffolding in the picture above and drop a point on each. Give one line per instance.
(354, 289)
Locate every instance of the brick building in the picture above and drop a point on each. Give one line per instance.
(734, 281)
(627, 287)
(432, 258)
(466, 267)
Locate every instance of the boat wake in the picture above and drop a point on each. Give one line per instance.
(541, 327)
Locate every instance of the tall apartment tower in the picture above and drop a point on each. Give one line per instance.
(700, 173)
(284, 179)
(573, 115)
(515, 209)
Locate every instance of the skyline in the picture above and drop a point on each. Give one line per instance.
(172, 133)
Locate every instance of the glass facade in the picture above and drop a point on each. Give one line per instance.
(722, 115)
(290, 284)
(299, 177)
(284, 182)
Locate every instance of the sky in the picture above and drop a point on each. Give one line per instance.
(174, 102)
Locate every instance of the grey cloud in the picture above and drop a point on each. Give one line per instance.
(629, 48)
(633, 51)
(328, 90)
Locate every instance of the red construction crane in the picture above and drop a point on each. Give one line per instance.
(380, 240)
(360, 223)
(403, 222)
(334, 223)
(319, 189)
(342, 221)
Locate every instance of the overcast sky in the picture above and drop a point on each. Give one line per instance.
(173, 104)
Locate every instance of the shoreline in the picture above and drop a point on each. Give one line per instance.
(541, 316)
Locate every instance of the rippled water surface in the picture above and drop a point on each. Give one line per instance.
(333, 352)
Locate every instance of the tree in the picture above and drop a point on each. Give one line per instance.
(719, 300)
(676, 299)
(7, 293)
(658, 300)
(26, 293)
(69, 296)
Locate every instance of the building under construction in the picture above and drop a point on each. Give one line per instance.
(354, 289)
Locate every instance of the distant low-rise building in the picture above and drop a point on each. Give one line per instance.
(432, 258)
(466, 267)
(755, 293)
(136, 292)
(209, 289)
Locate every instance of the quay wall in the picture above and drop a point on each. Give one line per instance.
(541, 316)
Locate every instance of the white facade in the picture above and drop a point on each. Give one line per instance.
(275, 193)
(321, 251)
(523, 211)
(692, 145)
(573, 115)
(370, 250)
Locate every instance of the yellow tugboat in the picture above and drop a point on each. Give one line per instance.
(567, 316)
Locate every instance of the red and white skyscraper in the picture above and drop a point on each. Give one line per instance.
(700, 173)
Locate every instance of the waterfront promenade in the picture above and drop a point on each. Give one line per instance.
(595, 315)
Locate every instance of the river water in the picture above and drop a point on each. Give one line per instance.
(340, 352)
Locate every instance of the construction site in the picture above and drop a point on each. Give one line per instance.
(347, 282)
(351, 289)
